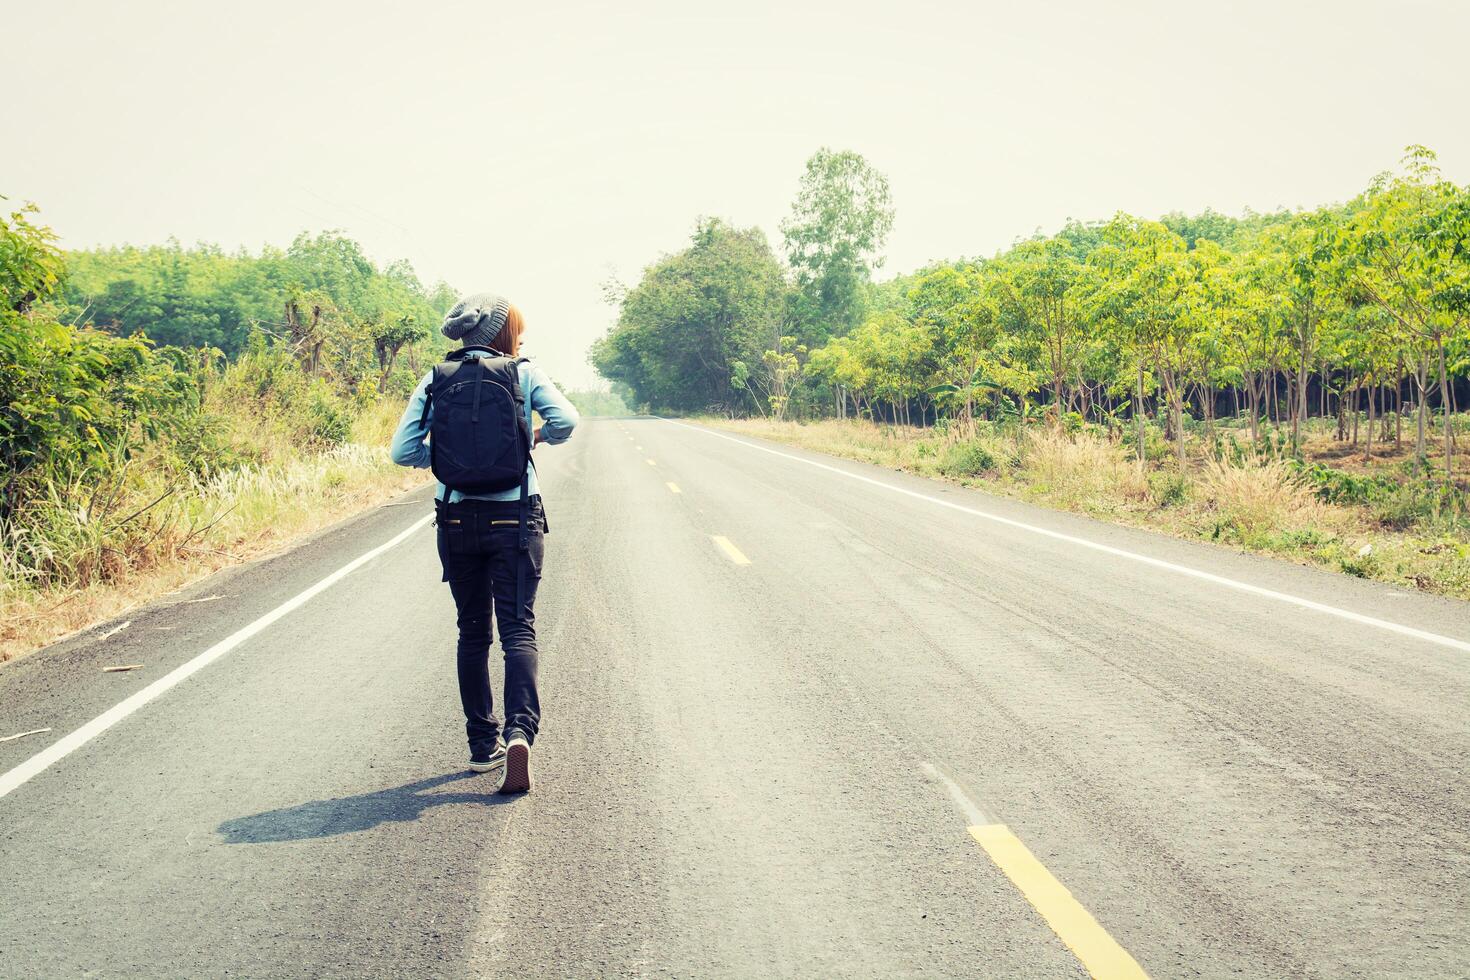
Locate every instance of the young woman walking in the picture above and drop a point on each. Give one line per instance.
(490, 541)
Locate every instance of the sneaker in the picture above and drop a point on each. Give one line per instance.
(517, 765)
(488, 757)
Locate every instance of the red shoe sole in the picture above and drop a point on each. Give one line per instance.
(517, 770)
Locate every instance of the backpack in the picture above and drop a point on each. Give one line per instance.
(479, 440)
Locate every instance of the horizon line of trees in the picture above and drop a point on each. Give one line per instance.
(339, 313)
(1347, 308)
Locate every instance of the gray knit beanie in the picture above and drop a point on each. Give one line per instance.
(476, 320)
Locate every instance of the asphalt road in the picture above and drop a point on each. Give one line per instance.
(776, 701)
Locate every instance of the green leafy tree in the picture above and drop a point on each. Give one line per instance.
(834, 238)
(1394, 255)
(694, 317)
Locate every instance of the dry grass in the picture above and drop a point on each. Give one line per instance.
(232, 517)
(1080, 472)
(1260, 498)
(1260, 505)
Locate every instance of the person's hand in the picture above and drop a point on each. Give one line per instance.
(538, 439)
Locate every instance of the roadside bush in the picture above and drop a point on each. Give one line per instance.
(1168, 488)
(1156, 448)
(1360, 564)
(966, 459)
(1427, 505)
(329, 417)
(1339, 487)
(1394, 504)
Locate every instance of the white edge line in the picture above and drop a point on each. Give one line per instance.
(68, 744)
(1383, 624)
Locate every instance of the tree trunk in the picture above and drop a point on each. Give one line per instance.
(1355, 417)
(1253, 393)
(1299, 410)
(1207, 403)
(1421, 379)
(1138, 416)
(1398, 412)
(1444, 401)
(1368, 440)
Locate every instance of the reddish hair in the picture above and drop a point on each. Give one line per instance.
(508, 341)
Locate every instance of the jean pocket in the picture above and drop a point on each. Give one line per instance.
(535, 553)
(457, 539)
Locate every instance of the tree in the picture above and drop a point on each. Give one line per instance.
(1146, 278)
(73, 402)
(959, 312)
(30, 264)
(1394, 254)
(1041, 288)
(834, 237)
(694, 317)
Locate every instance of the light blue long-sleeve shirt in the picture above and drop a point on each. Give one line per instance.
(558, 418)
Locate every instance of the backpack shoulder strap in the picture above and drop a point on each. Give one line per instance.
(429, 395)
(437, 378)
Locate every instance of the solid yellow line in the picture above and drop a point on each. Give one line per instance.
(674, 488)
(1099, 954)
(730, 550)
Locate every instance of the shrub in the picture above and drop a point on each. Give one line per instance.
(1424, 504)
(1339, 487)
(1395, 505)
(966, 459)
(329, 417)
(1156, 448)
(1360, 564)
(1168, 488)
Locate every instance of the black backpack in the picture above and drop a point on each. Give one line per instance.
(479, 440)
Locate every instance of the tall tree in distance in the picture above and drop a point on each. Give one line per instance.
(691, 333)
(834, 238)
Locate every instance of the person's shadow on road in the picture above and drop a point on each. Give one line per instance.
(350, 814)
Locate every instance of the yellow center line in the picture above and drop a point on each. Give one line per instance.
(732, 552)
(674, 488)
(1098, 952)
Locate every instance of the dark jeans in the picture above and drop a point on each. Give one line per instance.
(479, 548)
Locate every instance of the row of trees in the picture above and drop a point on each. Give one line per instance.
(339, 313)
(1273, 318)
(298, 341)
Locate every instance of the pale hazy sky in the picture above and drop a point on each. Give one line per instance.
(534, 149)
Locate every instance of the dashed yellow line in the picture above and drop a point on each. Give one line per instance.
(732, 552)
(1098, 952)
(674, 488)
